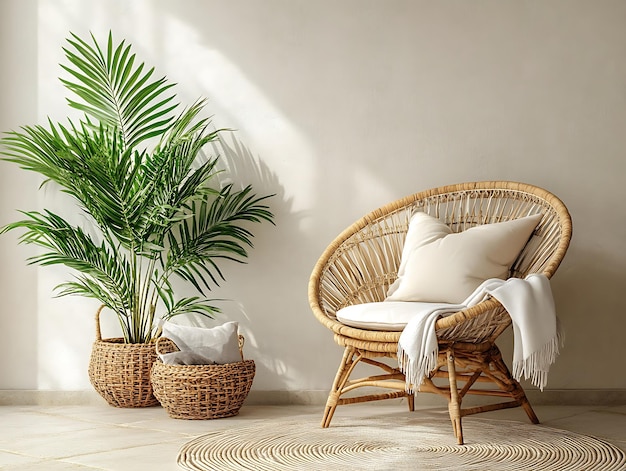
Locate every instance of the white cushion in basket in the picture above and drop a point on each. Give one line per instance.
(440, 266)
(391, 316)
(219, 345)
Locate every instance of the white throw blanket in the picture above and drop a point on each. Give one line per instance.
(536, 330)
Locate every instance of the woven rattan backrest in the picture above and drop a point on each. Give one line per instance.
(363, 261)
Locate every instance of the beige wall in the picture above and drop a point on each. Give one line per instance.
(18, 283)
(340, 107)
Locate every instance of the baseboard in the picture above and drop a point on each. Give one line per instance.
(577, 397)
(565, 397)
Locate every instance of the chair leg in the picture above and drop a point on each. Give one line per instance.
(411, 401)
(516, 390)
(529, 411)
(343, 372)
(454, 402)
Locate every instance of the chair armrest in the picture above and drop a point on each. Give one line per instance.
(467, 314)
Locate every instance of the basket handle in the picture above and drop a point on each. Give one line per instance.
(98, 330)
(159, 344)
(242, 340)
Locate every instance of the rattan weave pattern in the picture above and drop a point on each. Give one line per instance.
(201, 391)
(120, 372)
(362, 262)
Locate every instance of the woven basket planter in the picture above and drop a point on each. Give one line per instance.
(120, 372)
(201, 391)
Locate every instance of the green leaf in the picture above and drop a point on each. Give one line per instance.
(149, 212)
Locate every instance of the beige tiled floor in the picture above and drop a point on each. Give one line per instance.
(89, 437)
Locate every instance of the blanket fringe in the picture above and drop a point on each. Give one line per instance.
(416, 370)
(536, 366)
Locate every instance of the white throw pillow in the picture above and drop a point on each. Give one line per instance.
(218, 344)
(438, 265)
(389, 315)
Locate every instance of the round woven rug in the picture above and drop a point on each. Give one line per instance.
(398, 444)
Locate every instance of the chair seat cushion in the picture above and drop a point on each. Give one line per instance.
(390, 316)
(438, 265)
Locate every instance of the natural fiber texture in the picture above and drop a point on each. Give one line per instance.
(398, 444)
(120, 372)
(363, 261)
(201, 391)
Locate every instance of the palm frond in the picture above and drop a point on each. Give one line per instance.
(154, 210)
(69, 245)
(216, 232)
(115, 91)
(191, 305)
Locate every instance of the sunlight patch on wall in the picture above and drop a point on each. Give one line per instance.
(186, 57)
(239, 104)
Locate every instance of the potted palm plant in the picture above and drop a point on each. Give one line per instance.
(134, 164)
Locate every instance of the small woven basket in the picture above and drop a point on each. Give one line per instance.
(201, 391)
(120, 372)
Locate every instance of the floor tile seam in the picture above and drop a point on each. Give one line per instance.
(45, 428)
(95, 421)
(155, 429)
(163, 430)
(68, 458)
(99, 468)
(74, 463)
(19, 453)
(89, 426)
(38, 460)
(246, 423)
(184, 435)
(568, 415)
(133, 428)
(169, 437)
(4, 442)
(74, 418)
(608, 411)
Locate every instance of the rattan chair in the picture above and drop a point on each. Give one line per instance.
(362, 262)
